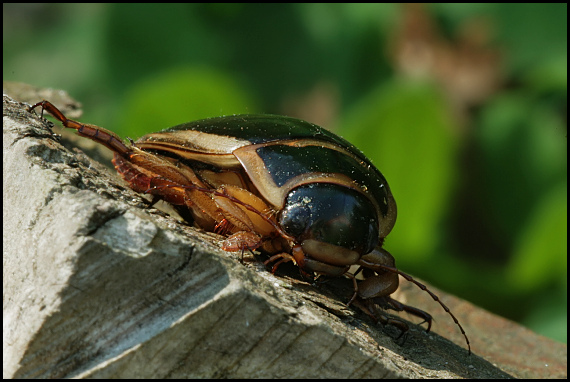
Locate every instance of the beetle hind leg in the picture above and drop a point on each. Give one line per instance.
(97, 134)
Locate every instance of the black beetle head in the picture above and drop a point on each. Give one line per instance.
(332, 214)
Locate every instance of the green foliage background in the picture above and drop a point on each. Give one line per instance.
(482, 197)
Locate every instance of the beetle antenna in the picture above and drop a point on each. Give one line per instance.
(433, 295)
(376, 266)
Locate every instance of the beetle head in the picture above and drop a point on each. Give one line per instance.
(322, 216)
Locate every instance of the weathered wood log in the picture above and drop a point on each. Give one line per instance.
(99, 284)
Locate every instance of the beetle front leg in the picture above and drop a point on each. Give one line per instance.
(241, 241)
(382, 262)
(283, 257)
(297, 257)
(378, 282)
(378, 285)
(369, 307)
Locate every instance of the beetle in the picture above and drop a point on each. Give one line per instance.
(275, 183)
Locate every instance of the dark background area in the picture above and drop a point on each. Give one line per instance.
(463, 107)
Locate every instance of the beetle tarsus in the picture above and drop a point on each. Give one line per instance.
(282, 257)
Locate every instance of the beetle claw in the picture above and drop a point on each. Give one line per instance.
(282, 257)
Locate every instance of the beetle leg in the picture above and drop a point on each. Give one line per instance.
(396, 322)
(98, 134)
(378, 282)
(368, 307)
(318, 267)
(376, 259)
(378, 285)
(143, 180)
(140, 169)
(307, 266)
(334, 255)
(240, 241)
(236, 216)
(266, 217)
(381, 262)
(158, 167)
(222, 227)
(185, 170)
(399, 307)
(254, 219)
(355, 285)
(282, 257)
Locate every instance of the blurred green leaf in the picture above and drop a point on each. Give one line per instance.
(180, 95)
(533, 32)
(539, 258)
(524, 155)
(405, 130)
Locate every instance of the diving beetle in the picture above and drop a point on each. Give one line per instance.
(280, 184)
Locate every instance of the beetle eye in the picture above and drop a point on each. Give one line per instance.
(296, 217)
(331, 214)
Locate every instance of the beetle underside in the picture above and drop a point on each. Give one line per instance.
(323, 222)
